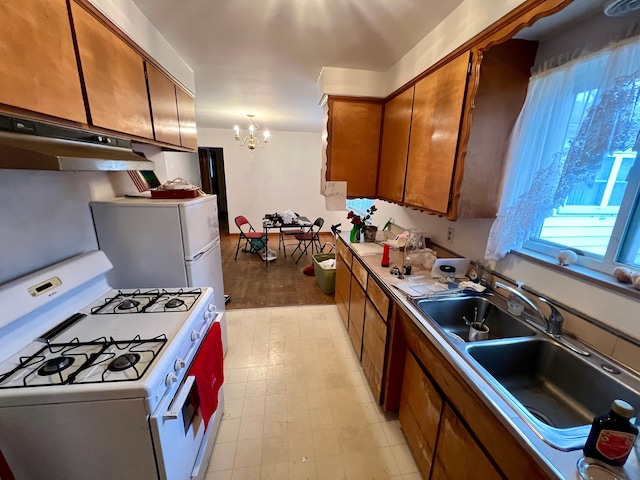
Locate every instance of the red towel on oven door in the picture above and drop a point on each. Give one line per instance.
(208, 370)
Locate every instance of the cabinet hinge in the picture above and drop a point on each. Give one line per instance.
(469, 68)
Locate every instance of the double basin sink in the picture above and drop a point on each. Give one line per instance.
(555, 391)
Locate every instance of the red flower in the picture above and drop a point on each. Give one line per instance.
(357, 220)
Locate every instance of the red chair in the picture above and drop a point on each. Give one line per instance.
(248, 234)
(310, 238)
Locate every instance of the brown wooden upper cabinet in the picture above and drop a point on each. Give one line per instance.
(353, 143)
(187, 118)
(39, 71)
(164, 108)
(114, 77)
(445, 134)
(503, 74)
(435, 127)
(395, 146)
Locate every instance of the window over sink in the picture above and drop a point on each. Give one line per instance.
(573, 180)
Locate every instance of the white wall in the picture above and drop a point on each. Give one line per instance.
(466, 21)
(346, 81)
(45, 216)
(285, 175)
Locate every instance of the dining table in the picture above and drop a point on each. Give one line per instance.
(271, 222)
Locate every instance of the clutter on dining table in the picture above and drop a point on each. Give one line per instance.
(288, 216)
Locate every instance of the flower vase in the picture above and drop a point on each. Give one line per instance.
(355, 235)
(370, 233)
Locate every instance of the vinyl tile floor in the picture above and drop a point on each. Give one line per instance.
(297, 405)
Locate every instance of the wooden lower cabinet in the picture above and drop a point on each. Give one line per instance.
(364, 308)
(420, 411)
(356, 316)
(467, 412)
(343, 289)
(374, 343)
(458, 455)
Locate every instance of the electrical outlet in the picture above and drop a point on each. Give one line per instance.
(450, 232)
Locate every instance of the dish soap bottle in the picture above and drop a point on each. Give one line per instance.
(515, 305)
(612, 436)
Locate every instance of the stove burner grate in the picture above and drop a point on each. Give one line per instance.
(149, 301)
(55, 365)
(174, 303)
(127, 304)
(88, 354)
(124, 362)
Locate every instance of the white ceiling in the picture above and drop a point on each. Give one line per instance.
(264, 57)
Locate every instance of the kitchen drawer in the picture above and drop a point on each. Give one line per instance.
(378, 298)
(359, 272)
(356, 317)
(344, 252)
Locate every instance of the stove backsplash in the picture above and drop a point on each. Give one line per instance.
(45, 216)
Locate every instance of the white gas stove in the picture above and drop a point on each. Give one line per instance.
(118, 365)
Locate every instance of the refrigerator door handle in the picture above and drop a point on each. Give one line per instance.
(195, 259)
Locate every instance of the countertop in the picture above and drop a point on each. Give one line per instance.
(556, 463)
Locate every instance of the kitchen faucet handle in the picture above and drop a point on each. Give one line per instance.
(555, 319)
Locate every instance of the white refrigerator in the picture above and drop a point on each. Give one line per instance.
(162, 243)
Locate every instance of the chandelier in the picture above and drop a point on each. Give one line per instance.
(251, 140)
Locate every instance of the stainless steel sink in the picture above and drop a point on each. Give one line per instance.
(558, 391)
(448, 313)
(554, 390)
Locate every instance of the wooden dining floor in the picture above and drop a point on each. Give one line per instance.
(253, 285)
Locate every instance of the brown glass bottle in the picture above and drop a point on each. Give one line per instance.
(612, 436)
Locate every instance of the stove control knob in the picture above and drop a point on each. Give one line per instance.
(211, 307)
(178, 365)
(195, 336)
(208, 315)
(170, 379)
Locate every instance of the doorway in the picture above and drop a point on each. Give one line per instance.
(213, 181)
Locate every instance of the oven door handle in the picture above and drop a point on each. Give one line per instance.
(176, 406)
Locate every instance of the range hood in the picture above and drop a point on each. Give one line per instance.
(25, 144)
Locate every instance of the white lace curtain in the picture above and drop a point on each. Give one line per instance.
(547, 156)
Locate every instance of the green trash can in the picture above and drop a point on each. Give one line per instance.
(325, 278)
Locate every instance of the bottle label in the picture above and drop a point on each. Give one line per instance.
(613, 444)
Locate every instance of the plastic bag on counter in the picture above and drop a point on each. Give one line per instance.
(423, 258)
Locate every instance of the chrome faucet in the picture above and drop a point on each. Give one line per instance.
(554, 320)
(553, 323)
(558, 323)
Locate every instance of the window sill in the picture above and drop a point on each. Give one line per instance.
(581, 273)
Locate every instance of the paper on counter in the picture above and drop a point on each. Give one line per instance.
(367, 248)
(417, 289)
